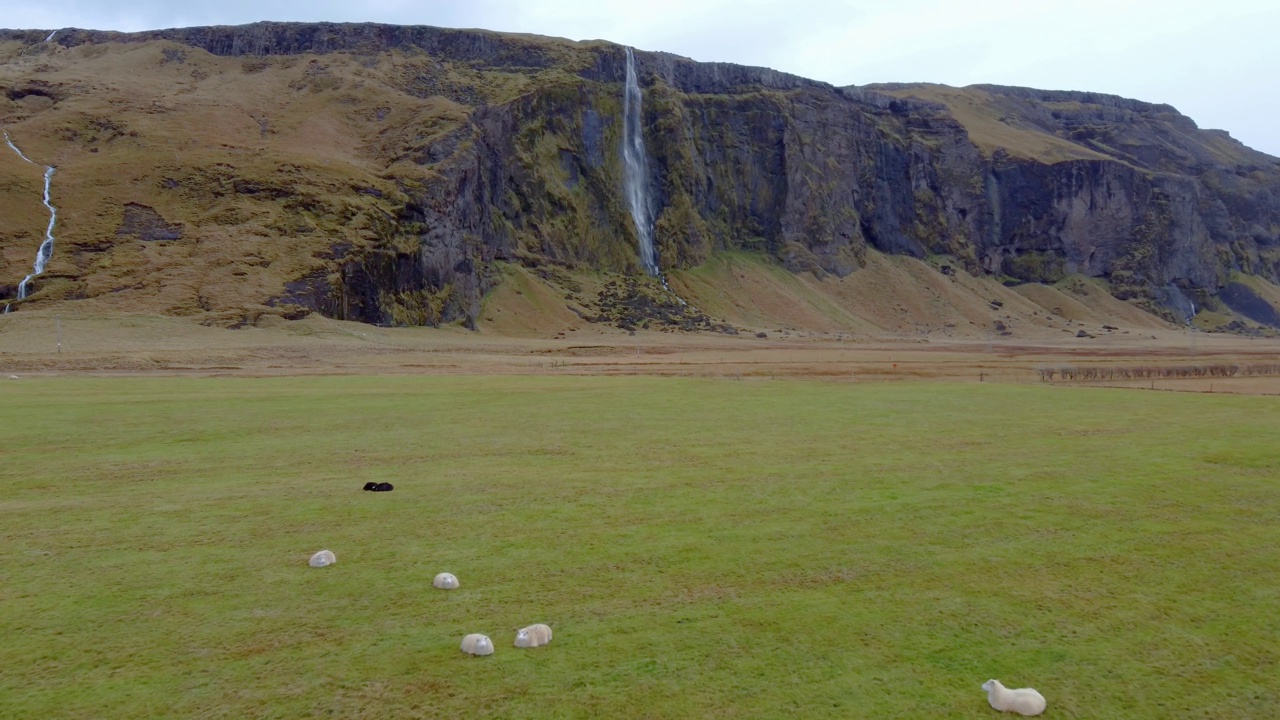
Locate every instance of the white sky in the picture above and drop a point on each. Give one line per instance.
(1217, 61)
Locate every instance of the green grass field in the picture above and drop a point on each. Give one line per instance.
(702, 548)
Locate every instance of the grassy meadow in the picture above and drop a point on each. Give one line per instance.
(702, 548)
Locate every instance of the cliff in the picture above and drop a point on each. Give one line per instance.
(385, 173)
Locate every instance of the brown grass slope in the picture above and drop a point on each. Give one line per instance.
(892, 297)
(196, 185)
(1054, 126)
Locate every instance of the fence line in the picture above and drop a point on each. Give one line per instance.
(1155, 372)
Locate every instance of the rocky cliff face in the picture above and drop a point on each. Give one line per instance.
(1023, 184)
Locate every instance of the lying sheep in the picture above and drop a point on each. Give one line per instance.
(446, 581)
(533, 636)
(477, 644)
(384, 487)
(324, 558)
(1023, 701)
(371, 485)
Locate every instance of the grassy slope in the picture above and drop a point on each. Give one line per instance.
(1029, 129)
(523, 305)
(754, 291)
(702, 548)
(897, 295)
(991, 126)
(1086, 300)
(267, 163)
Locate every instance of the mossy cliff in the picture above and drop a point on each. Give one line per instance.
(469, 148)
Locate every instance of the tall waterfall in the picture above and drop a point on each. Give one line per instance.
(46, 248)
(635, 179)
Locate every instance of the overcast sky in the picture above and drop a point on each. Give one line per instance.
(1217, 61)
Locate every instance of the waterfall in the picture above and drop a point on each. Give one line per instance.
(635, 179)
(1192, 316)
(50, 38)
(46, 248)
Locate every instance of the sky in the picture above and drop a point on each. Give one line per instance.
(1216, 61)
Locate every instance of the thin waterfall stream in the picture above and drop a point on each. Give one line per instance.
(635, 179)
(46, 247)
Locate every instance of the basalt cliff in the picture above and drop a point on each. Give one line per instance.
(394, 175)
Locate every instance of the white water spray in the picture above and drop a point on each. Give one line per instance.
(635, 179)
(46, 248)
(1192, 316)
(50, 38)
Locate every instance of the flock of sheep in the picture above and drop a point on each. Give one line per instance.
(533, 636)
(1024, 701)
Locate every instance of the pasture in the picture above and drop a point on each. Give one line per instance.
(703, 548)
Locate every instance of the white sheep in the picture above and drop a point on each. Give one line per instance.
(1023, 701)
(533, 636)
(477, 644)
(324, 558)
(13, 377)
(446, 581)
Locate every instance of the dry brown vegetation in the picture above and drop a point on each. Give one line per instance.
(1150, 372)
(993, 127)
(114, 344)
(266, 166)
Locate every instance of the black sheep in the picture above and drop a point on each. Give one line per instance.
(384, 487)
(371, 486)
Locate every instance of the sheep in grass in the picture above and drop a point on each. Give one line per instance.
(477, 644)
(1023, 701)
(384, 487)
(533, 636)
(371, 485)
(324, 558)
(446, 581)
